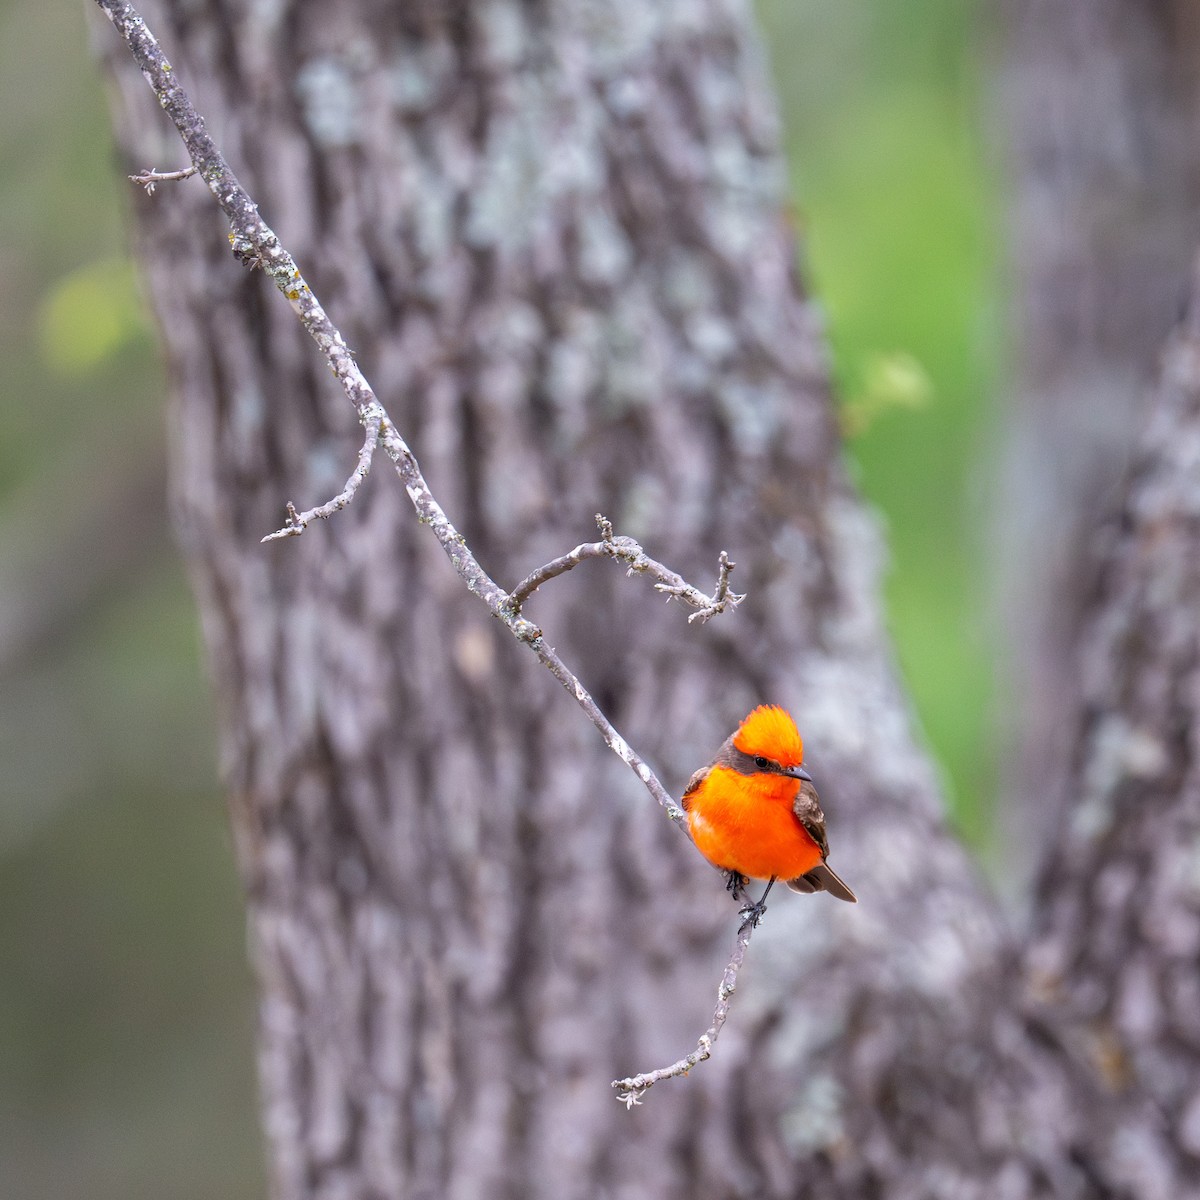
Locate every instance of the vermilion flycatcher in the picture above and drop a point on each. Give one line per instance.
(753, 811)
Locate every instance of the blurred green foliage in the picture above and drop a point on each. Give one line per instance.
(126, 1006)
(896, 206)
(89, 315)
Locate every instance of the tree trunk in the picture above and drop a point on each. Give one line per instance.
(1116, 943)
(554, 235)
(1102, 102)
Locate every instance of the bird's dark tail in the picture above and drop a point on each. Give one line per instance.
(823, 878)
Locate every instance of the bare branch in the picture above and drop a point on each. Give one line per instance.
(631, 1090)
(298, 522)
(253, 242)
(556, 567)
(151, 179)
(626, 550)
(549, 658)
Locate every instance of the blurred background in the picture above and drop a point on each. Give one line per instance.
(126, 1005)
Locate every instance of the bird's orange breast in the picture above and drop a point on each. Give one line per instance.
(745, 823)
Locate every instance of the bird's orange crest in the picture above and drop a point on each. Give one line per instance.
(771, 732)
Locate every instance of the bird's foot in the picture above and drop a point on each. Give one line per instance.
(736, 884)
(754, 912)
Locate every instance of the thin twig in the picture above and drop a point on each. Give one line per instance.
(626, 550)
(298, 522)
(708, 606)
(151, 179)
(631, 1090)
(549, 658)
(556, 567)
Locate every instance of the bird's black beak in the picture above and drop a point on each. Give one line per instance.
(799, 773)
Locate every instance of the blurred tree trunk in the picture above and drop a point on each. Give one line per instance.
(554, 235)
(1102, 106)
(1114, 962)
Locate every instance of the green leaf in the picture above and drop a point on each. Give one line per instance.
(89, 316)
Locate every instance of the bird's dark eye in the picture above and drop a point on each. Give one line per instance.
(762, 763)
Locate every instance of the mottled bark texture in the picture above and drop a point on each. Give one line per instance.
(1123, 887)
(553, 232)
(1101, 104)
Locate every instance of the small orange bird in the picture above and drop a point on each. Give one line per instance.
(753, 811)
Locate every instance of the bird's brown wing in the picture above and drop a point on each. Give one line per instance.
(698, 777)
(822, 878)
(808, 812)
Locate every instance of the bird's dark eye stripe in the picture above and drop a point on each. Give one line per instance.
(747, 764)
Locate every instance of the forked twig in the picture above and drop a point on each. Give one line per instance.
(151, 179)
(626, 550)
(298, 522)
(631, 1090)
(709, 606)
